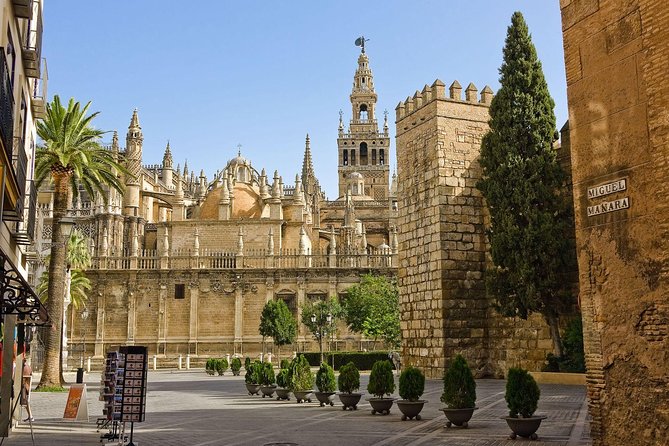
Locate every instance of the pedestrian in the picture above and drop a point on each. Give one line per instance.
(25, 389)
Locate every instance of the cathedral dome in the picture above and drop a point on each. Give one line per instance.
(245, 204)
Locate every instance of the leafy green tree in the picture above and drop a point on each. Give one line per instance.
(459, 385)
(372, 307)
(71, 157)
(320, 311)
(277, 322)
(78, 258)
(524, 187)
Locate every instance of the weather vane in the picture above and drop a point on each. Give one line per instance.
(360, 41)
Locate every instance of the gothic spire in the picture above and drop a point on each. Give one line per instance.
(167, 158)
(134, 121)
(307, 163)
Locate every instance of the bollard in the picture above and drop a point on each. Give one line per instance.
(269, 357)
(80, 375)
(155, 362)
(180, 362)
(187, 362)
(88, 364)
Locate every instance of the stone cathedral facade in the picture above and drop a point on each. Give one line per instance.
(184, 264)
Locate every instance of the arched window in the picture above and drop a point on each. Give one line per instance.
(382, 157)
(241, 174)
(345, 158)
(353, 158)
(373, 157)
(363, 112)
(363, 153)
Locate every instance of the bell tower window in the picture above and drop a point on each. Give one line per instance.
(345, 158)
(363, 154)
(353, 158)
(363, 112)
(373, 157)
(382, 157)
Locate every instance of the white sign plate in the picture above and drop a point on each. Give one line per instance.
(607, 188)
(609, 206)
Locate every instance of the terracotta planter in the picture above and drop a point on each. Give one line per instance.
(524, 427)
(458, 417)
(253, 388)
(267, 390)
(410, 409)
(303, 395)
(282, 394)
(350, 400)
(381, 405)
(325, 398)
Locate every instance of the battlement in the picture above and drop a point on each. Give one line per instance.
(437, 91)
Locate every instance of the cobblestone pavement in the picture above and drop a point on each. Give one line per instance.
(191, 408)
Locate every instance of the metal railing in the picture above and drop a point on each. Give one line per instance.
(6, 106)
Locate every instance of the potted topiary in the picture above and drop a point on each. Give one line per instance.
(285, 363)
(459, 393)
(349, 382)
(267, 379)
(412, 386)
(522, 397)
(282, 391)
(300, 379)
(210, 366)
(247, 363)
(221, 366)
(252, 377)
(381, 382)
(326, 384)
(235, 365)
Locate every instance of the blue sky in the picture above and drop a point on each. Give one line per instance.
(208, 76)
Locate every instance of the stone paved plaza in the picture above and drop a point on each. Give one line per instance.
(191, 408)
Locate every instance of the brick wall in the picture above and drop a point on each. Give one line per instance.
(617, 64)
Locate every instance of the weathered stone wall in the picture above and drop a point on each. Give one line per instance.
(441, 229)
(617, 64)
(218, 314)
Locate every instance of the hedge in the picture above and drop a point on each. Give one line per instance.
(362, 360)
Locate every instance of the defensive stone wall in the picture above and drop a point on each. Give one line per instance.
(441, 229)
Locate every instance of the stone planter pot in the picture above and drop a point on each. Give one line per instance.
(350, 400)
(410, 409)
(253, 389)
(381, 405)
(303, 395)
(524, 427)
(458, 417)
(325, 398)
(267, 390)
(282, 394)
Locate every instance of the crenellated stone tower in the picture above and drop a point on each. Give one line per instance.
(363, 148)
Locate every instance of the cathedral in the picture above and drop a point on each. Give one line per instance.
(184, 264)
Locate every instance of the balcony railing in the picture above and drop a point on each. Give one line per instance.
(23, 8)
(39, 95)
(25, 229)
(6, 107)
(32, 49)
(20, 167)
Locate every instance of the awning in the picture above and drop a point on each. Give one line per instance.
(18, 297)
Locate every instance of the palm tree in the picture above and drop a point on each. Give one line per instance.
(71, 157)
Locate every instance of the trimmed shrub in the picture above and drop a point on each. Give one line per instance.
(325, 379)
(522, 393)
(349, 378)
(299, 375)
(285, 363)
(282, 378)
(362, 360)
(459, 385)
(235, 364)
(381, 380)
(253, 371)
(412, 383)
(247, 363)
(266, 375)
(210, 366)
(221, 365)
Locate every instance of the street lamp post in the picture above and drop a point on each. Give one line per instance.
(84, 317)
(321, 328)
(66, 227)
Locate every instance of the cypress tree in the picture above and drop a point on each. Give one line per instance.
(524, 187)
